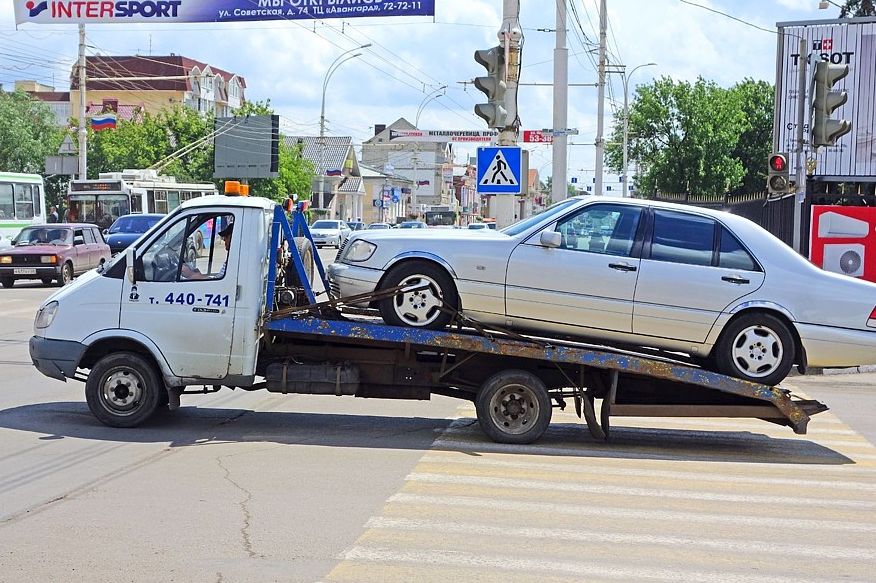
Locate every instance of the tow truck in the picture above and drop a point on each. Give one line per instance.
(148, 328)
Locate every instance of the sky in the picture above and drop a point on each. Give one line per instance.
(412, 57)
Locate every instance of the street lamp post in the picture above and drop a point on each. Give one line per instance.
(627, 120)
(342, 58)
(431, 96)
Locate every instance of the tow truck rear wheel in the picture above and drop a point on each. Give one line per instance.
(305, 251)
(123, 389)
(513, 407)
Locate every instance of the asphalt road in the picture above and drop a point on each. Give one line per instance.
(259, 487)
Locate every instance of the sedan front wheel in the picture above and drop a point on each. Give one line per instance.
(756, 347)
(428, 289)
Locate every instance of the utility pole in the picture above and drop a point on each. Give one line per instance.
(510, 35)
(800, 194)
(83, 133)
(600, 109)
(561, 108)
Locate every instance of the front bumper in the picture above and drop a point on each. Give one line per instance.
(326, 240)
(349, 280)
(56, 359)
(828, 347)
(39, 272)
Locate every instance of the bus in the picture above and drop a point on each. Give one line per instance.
(115, 194)
(440, 217)
(22, 203)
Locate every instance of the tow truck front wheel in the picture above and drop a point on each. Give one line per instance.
(513, 407)
(123, 389)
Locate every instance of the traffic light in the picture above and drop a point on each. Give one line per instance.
(825, 130)
(778, 181)
(493, 86)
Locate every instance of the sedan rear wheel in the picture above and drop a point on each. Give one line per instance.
(756, 347)
(430, 289)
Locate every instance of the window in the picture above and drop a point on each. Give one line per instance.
(136, 203)
(78, 237)
(89, 237)
(23, 201)
(98, 236)
(682, 238)
(7, 202)
(190, 249)
(160, 200)
(37, 200)
(604, 228)
(733, 255)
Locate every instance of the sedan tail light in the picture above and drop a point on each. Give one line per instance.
(871, 322)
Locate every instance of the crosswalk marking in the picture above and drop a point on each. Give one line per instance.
(725, 501)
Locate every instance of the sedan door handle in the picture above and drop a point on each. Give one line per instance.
(622, 266)
(736, 279)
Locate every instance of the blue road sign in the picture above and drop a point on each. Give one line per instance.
(499, 170)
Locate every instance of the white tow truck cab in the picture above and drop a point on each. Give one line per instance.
(239, 311)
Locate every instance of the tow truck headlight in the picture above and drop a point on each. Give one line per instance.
(45, 316)
(5, 259)
(360, 251)
(49, 259)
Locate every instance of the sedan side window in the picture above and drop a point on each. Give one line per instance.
(603, 228)
(733, 255)
(683, 238)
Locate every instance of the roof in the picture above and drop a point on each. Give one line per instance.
(143, 66)
(51, 96)
(220, 200)
(332, 156)
(125, 112)
(351, 184)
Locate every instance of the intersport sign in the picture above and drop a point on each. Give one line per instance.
(127, 11)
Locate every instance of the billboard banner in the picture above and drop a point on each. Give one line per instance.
(130, 11)
(441, 136)
(852, 44)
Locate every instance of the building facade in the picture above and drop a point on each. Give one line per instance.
(428, 165)
(338, 190)
(156, 83)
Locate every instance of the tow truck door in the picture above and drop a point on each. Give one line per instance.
(185, 294)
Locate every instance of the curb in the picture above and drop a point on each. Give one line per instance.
(864, 368)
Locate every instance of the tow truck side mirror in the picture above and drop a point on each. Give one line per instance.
(551, 238)
(129, 263)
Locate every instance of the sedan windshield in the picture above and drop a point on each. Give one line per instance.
(133, 224)
(44, 236)
(325, 225)
(553, 211)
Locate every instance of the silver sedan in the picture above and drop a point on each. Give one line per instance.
(623, 271)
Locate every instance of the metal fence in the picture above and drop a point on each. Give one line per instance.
(776, 214)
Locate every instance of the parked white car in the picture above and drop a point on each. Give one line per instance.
(329, 232)
(626, 271)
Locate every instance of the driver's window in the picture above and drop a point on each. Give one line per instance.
(193, 248)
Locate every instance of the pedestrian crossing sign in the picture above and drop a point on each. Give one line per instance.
(499, 170)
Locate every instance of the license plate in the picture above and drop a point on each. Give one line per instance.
(24, 271)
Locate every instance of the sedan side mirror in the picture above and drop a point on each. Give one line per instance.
(129, 263)
(551, 238)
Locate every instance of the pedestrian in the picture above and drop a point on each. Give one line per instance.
(53, 215)
(72, 214)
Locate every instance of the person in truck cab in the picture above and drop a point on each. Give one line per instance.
(191, 272)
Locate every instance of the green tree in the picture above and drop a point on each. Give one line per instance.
(153, 138)
(857, 8)
(757, 102)
(28, 133)
(696, 137)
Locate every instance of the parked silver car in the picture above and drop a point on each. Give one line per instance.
(625, 271)
(329, 232)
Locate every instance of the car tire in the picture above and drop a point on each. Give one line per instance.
(305, 251)
(66, 274)
(513, 406)
(7, 282)
(756, 347)
(420, 308)
(123, 389)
